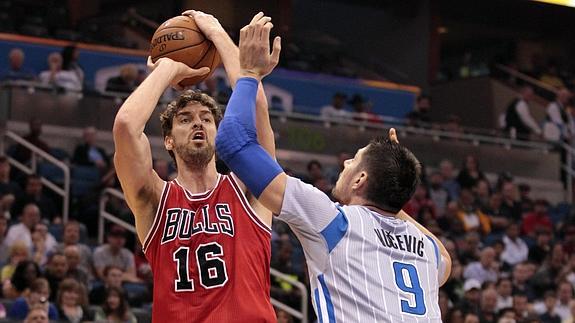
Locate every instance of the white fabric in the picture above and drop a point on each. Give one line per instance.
(514, 252)
(19, 233)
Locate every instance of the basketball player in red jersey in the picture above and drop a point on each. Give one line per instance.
(207, 240)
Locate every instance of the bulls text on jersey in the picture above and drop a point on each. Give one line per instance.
(184, 223)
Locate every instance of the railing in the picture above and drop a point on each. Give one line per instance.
(38, 155)
(107, 216)
(545, 90)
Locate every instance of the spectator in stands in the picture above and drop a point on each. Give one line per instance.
(470, 215)
(521, 306)
(314, 171)
(24, 276)
(564, 300)
(420, 116)
(449, 181)
(504, 293)
(559, 117)
(18, 252)
(548, 275)
(114, 253)
(470, 173)
(7, 185)
(280, 288)
(520, 278)
(420, 200)
(283, 316)
(516, 250)
(43, 243)
(34, 193)
(518, 119)
(23, 231)
(72, 302)
(336, 110)
(37, 314)
(542, 247)
(524, 198)
(484, 270)
(56, 272)
(4, 248)
(112, 279)
(126, 82)
(90, 154)
(75, 271)
(333, 172)
(538, 219)
(16, 69)
(547, 312)
(469, 247)
(362, 110)
(510, 208)
(488, 305)
(471, 296)
(70, 55)
(143, 269)
(115, 308)
(71, 237)
(482, 191)
(37, 296)
(21, 153)
(58, 77)
(437, 193)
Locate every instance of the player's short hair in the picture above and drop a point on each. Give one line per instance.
(189, 96)
(394, 173)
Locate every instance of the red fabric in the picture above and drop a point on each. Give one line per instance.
(232, 235)
(533, 221)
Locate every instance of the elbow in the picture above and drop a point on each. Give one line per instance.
(121, 126)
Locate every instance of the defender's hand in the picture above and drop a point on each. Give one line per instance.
(178, 71)
(208, 24)
(255, 58)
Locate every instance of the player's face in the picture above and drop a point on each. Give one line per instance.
(343, 187)
(193, 135)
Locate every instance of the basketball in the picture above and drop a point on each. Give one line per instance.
(180, 39)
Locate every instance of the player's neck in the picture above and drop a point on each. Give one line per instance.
(358, 200)
(198, 180)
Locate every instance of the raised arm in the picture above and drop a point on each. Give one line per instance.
(133, 158)
(230, 54)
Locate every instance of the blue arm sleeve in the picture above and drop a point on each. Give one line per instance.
(237, 143)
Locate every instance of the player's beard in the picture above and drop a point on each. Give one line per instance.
(195, 157)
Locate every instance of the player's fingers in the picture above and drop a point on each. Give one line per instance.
(150, 63)
(243, 33)
(275, 57)
(200, 71)
(393, 135)
(190, 13)
(263, 20)
(265, 34)
(250, 32)
(257, 17)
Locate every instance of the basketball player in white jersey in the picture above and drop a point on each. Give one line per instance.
(368, 261)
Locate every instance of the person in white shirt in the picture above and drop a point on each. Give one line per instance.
(68, 80)
(504, 294)
(335, 110)
(518, 119)
(558, 116)
(515, 249)
(23, 231)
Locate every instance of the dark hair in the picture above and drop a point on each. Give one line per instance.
(172, 109)
(19, 277)
(122, 311)
(68, 56)
(312, 163)
(72, 285)
(394, 173)
(109, 268)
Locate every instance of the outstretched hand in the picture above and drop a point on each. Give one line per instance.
(255, 58)
(178, 71)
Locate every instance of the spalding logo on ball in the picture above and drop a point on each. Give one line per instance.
(180, 39)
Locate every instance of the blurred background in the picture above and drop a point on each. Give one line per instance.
(480, 91)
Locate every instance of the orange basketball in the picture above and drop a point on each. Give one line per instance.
(180, 39)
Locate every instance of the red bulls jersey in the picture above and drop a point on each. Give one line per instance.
(210, 255)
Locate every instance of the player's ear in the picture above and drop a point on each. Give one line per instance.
(169, 142)
(359, 181)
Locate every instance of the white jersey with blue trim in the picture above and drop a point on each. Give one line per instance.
(363, 266)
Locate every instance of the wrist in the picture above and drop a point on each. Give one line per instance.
(250, 74)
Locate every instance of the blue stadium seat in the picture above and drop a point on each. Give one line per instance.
(86, 173)
(51, 172)
(60, 154)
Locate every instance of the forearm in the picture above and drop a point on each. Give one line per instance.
(229, 54)
(137, 109)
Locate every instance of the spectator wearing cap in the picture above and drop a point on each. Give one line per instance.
(16, 69)
(515, 250)
(483, 270)
(471, 296)
(336, 110)
(114, 253)
(420, 116)
(539, 219)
